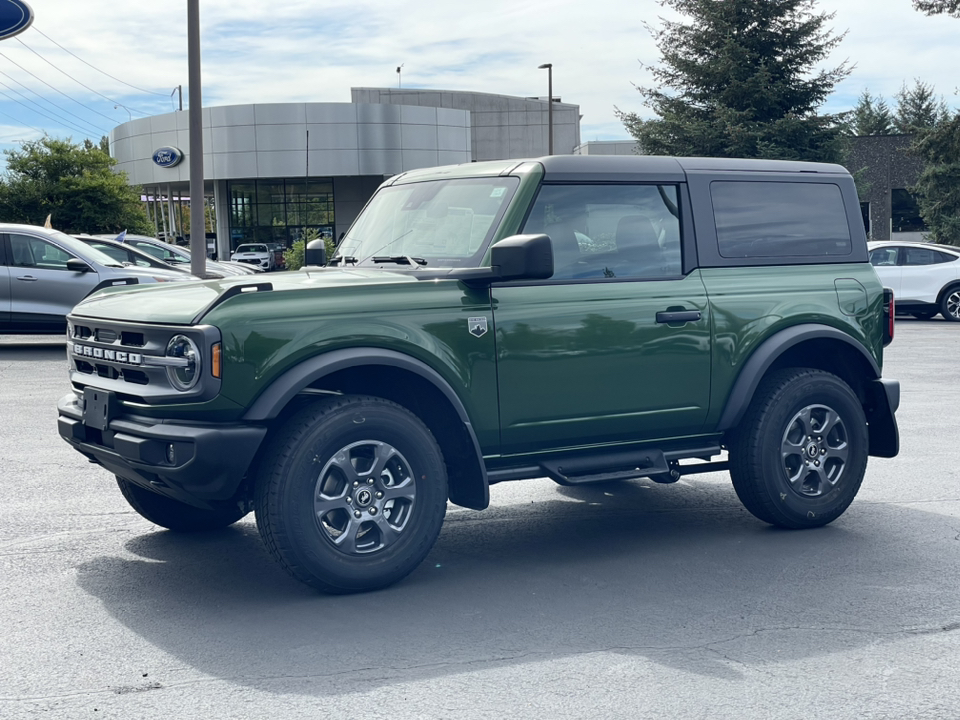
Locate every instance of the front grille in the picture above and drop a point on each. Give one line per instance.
(129, 358)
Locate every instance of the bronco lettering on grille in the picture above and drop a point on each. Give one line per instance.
(117, 356)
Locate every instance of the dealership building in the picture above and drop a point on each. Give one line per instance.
(275, 170)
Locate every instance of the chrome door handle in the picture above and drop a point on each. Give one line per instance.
(27, 278)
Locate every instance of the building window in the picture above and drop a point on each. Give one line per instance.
(279, 211)
(904, 212)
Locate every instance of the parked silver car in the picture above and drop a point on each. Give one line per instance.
(44, 273)
(179, 257)
(127, 254)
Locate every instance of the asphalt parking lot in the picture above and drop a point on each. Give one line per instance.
(632, 600)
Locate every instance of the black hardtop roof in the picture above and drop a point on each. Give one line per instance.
(556, 166)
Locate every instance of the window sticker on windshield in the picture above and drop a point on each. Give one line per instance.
(498, 191)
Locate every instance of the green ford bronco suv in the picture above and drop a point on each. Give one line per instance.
(586, 319)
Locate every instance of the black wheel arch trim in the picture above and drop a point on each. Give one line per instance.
(767, 353)
(474, 494)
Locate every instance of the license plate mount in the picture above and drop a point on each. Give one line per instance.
(99, 408)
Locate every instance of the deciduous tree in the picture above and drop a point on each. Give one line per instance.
(73, 183)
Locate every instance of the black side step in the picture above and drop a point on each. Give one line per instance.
(614, 466)
(661, 466)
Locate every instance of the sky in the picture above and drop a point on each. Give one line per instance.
(93, 64)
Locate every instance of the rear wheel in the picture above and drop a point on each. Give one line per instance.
(799, 456)
(950, 305)
(351, 494)
(175, 515)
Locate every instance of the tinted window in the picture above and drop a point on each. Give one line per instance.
(946, 257)
(609, 231)
(155, 250)
(770, 220)
(33, 252)
(251, 249)
(921, 256)
(883, 256)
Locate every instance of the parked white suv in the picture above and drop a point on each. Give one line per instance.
(257, 254)
(925, 278)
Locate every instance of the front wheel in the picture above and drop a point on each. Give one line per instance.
(175, 515)
(950, 305)
(799, 456)
(351, 494)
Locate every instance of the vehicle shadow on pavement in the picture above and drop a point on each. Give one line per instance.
(679, 575)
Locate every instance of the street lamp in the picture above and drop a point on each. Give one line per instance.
(549, 68)
(117, 107)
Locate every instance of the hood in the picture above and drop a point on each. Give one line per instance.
(180, 303)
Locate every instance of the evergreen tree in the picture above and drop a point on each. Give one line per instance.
(938, 189)
(738, 78)
(73, 183)
(918, 108)
(938, 7)
(871, 116)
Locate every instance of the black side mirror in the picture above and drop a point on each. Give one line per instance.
(78, 265)
(316, 253)
(523, 257)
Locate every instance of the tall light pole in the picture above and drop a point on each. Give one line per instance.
(549, 68)
(198, 234)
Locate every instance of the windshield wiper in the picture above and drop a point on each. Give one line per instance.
(401, 260)
(342, 258)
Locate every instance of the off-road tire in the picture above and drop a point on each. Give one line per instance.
(175, 515)
(762, 456)
(299, 522)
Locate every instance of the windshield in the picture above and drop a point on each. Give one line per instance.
(251, 249)
(440, 223)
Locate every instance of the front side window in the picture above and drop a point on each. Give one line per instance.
(780, 219)
(36, 253)
(609, 231)
(439, 223)
(883, 257)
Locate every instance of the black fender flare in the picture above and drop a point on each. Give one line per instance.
(767, 353)
(476, 492)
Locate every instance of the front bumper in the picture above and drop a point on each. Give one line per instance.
(196, 464)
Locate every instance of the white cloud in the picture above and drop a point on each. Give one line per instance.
(317, 49)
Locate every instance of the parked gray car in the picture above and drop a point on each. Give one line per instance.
(44, 273)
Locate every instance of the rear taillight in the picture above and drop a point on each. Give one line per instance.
(888, 313)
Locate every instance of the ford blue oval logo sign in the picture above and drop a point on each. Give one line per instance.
(15, 17)
(167, 156)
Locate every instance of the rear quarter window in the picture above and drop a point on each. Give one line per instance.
(780, 220)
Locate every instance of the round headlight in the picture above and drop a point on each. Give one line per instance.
(184, 374)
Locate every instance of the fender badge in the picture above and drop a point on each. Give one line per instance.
(477, 326)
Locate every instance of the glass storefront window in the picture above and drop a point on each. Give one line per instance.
(279, 211)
